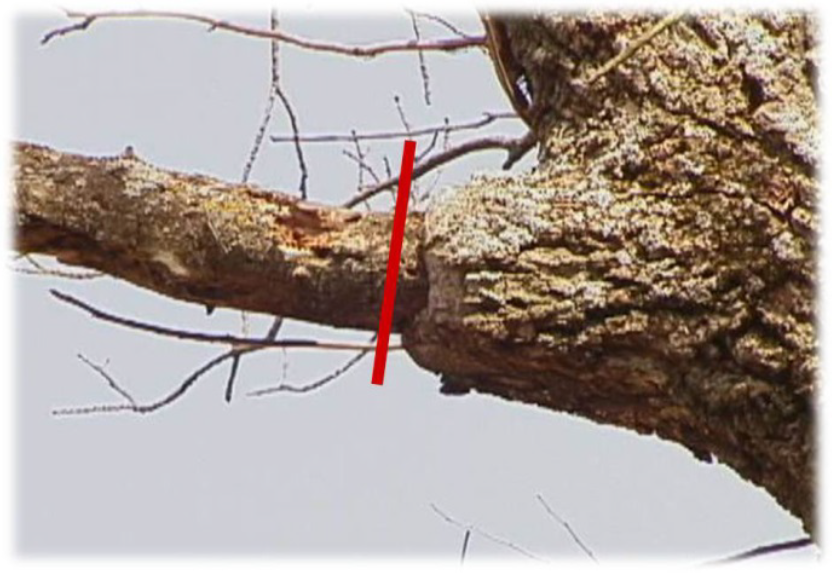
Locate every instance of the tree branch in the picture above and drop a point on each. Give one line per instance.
(203, 240)
(444, 45)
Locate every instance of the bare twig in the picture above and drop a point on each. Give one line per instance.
(402, 117)
(318, 383)
(304, 173)
(488, 117)
(235, 364)
(513, 146)
(423, 68)
(495, 539)
(426, 151)
(261, 132)
(628, 52)
(238, 342)
(442, 22)
(442, 45)
(587, 551)
(169, 399)
(110, 380)
(765, 550)
(465, 541)
(41, 270)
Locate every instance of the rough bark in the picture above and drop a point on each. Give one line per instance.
(656, 272)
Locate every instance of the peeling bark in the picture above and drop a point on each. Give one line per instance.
(656, 272)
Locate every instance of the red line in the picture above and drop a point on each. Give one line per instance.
(386, 321)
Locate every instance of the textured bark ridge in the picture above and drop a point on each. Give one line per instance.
(655, 272)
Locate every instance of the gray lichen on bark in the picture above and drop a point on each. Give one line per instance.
(657, 271)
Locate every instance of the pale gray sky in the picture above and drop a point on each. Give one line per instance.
(351, 469)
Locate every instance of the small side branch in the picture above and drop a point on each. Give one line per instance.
(516, 148)
(587, 551)
(316, 384)
(241, 343)
(763, 550)
(470, 527)
(488, 118)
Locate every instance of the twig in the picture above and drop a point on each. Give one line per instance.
(587, 551)
(169, 399)
(402, 117)
(465, 541)
(41, 270)
(304, 173)
(426, 151)
(488, 117)
(627, 53)
(765, 550)
(110, 380)
(274, 329)
(442, 22)
(442, 45)
(318, 383)
(261, 132)
(240, 343)
(475, 529)
(423, 68)
(513, 146)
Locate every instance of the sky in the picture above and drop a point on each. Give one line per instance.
(351, 470)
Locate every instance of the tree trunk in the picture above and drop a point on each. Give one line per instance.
(655, 272)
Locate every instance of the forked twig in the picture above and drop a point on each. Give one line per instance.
(516, 148)
(470, 527)
(488, 117)
(316, 384)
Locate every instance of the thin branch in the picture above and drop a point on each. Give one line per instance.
(442, 45)
(587, 551)
(304, 172)
(765, 550)
(475, 529)
(402, 117)
(423, 68)
(274, 329)
(363, 166)
(110, 380)
(442, 22)
(426, 151)
(511, 145)
(261, 132)
(465, 541)
(240, 343)
(41, 270)
(169, 399)
(488, 117)
(628, 52)
(318, 383)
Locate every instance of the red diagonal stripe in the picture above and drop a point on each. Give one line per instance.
(386, 320)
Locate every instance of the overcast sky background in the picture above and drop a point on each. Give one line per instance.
(351, 469)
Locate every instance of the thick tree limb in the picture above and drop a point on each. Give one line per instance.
(202, 240)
